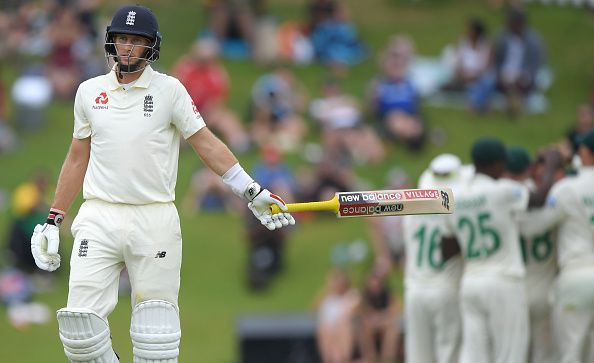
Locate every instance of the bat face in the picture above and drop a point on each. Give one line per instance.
(393, 202)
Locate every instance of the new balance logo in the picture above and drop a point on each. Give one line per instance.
(131, 18)
(161, 254)
(83, 248)
(445, 200)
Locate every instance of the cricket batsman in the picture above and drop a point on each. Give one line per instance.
(492, 293)
(124, 153)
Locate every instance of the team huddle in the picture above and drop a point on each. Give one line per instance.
(509, 276)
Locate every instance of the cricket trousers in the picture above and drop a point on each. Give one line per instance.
(574, 314)
(146, 239)
(495, 324)
(433, 327)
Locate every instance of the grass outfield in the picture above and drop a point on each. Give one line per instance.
(212, 291)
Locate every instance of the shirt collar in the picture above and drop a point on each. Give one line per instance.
(143, 81)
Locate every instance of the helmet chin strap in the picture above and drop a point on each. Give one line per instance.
(137, 66)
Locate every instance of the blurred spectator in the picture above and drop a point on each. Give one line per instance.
(266, 256)
(63, 69)
(380, 320)
(340, 117)
(87, 14)
(336, 41)
(336, 309)
(519, 56)
(393, 98)
(583, 123)
(207, 82)
(274, 174)
(232, 22)
(28, 208)
(318, 12)
(386, 233)
(31, 94)
(294, 44)
(208, 193)
(8, 140)
(277, 101)
(16, 292)
(331, 174)
(471, 63)
(473, 53)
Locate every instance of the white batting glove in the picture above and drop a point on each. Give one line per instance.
(45, 242)
(260, 202)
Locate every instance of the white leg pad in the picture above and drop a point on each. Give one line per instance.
(85, 336)
(155, 332)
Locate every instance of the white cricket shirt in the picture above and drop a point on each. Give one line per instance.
(135, 136)
(572, 202)
(422, 240)
(485, 225)
(424, 262)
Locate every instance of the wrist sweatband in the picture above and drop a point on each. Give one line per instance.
(241, 183)
(55, 217)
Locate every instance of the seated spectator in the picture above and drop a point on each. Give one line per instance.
(380, 314)
(519, 55)
(336, 310)
(583, 123)
(336, 42)
(208, 193)
(472, 59)
(29, 206)
(472, 53)
(207, 82)
(266, 256)
(340, 117)
(232, 23)
(274, 174)
(319, 11)
(63, 70)
(8, 140)
(393, 98)
(277, 101)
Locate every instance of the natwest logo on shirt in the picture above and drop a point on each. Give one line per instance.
(422, 194)
(101, 102)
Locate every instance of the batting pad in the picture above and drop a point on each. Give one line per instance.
(155, 332)
(85, 336)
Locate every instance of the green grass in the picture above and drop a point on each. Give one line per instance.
(212, 292)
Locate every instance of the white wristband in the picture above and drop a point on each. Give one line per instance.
(238, 180)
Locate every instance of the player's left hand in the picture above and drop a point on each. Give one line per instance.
(260, 206)
(44, 246)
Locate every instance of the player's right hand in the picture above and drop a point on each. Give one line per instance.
(44, 246)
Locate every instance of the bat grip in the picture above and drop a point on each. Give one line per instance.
(327, 205)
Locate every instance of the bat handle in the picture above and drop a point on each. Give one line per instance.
(326, 205)
(274, 209)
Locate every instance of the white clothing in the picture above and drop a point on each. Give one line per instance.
(433, 326)
(135, 136)
(494, 319)
(485, 225)
(146, 238)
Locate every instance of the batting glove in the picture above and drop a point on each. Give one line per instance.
(260, 202)
(46, 240)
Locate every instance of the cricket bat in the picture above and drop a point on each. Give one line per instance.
(378, 203)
